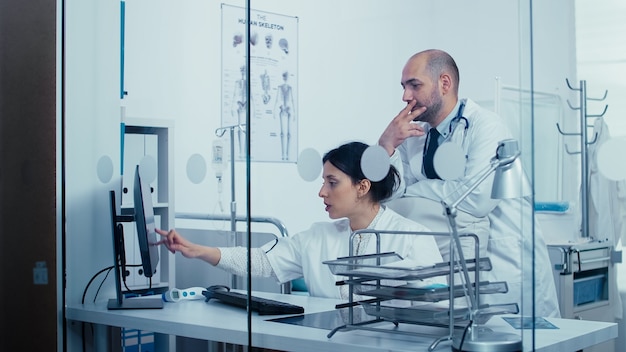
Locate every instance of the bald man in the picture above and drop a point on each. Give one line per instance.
(434, 115)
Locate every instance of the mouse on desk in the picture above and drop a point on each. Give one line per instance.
(208, 292)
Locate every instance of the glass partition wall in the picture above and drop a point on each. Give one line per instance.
(348, 86)
(228, 107)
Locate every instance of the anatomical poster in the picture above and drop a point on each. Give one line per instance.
(273, 98)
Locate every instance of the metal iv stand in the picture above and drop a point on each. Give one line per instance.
(219, 132)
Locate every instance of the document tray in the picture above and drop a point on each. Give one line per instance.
(392, 266)
(434, 313)
(407, 291)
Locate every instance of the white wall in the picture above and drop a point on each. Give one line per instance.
(601, 59)
(351, 53)
(350, 58)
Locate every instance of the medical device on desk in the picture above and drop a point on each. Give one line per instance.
(176, 295)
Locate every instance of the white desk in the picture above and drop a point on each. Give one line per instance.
(214, 321)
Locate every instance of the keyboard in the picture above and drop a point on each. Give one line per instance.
(263, 306)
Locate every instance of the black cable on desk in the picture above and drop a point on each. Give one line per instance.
(463, 336)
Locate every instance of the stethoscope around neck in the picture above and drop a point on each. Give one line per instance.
(451, 128)
(454, 123)
(458, 118)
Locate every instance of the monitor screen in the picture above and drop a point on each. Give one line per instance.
(119, 256)
(144, 218)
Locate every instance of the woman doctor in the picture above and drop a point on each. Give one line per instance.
(350, 198)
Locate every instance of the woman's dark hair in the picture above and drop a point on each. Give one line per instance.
(347, 158)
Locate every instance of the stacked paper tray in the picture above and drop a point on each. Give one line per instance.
(387, 289)
(392, 266)
(434, 313)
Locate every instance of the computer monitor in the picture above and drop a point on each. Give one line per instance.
(144, 218)
(146, 238)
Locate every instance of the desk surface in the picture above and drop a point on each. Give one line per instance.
(215, 321)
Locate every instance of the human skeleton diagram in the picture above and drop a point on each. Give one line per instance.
(240, 104)
(286, 112)
(265, 85)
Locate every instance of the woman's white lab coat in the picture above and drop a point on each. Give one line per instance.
(302, 254)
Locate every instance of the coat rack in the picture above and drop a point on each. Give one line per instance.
(584, 142)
